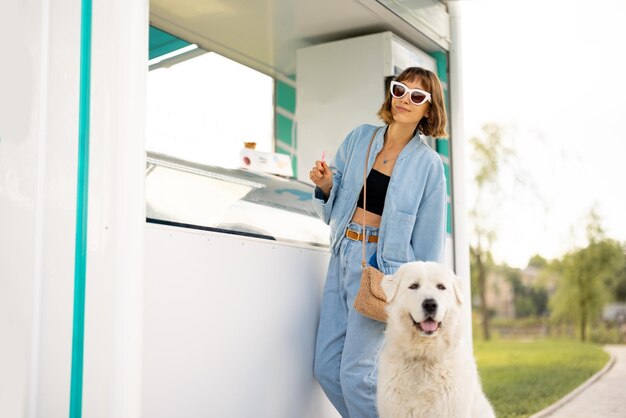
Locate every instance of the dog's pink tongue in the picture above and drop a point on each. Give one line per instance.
(428, 326)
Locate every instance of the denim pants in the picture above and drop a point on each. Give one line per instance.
(348, 343)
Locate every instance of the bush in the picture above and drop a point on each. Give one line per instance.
(607, 333)
(524, 328)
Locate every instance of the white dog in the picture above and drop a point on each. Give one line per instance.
(426, 367)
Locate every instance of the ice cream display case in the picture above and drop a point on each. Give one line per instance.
(233, 201)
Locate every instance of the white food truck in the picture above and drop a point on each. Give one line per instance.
(150, 265)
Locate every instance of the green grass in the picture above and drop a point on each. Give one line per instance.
(521, 378)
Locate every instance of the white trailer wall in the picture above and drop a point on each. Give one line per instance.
(115, 259)
(38, 154)
(230, 326)
(39, 108)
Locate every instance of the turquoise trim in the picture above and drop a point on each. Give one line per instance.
(285, 96)
(442, 72)
(442, 65)
(80, 257)
(284, 126)
(161, 43)
(443, 147)
(285, 100)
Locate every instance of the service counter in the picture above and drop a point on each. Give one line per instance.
(235, 264)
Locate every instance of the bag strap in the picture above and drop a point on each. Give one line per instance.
(367, 158)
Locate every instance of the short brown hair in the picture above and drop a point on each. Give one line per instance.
(435, 124)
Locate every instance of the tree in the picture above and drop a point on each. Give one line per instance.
(587, 278)
(614, 273)
(620, 286)
(529, 301)
(488, 153)
(481, 262)
(537, 261)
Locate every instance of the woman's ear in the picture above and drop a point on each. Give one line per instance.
(390, 286)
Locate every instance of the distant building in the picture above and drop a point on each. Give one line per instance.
(530, 275)
(615, 312)
(500, 295)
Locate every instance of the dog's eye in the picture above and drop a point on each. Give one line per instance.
(441, 287)
(414, 286)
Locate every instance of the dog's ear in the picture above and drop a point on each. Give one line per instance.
(390, 286)
(458, 292)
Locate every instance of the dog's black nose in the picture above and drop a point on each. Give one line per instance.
(430, 306)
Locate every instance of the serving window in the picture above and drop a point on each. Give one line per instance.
(202, 108)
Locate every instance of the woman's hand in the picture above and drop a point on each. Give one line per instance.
(321, 175)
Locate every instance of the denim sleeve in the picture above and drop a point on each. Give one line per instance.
(323, 207)
(429, 234)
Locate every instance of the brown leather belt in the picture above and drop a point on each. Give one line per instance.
(353, 235)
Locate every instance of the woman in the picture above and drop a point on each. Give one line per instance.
(405, 218)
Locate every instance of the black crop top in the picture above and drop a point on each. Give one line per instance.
(377, 184)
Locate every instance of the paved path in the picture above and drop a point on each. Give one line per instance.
(605, 398)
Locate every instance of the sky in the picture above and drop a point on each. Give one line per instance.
(552, 74)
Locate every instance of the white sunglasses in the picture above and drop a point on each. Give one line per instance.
(417, 96)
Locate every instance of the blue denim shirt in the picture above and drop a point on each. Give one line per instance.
(413, 224)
